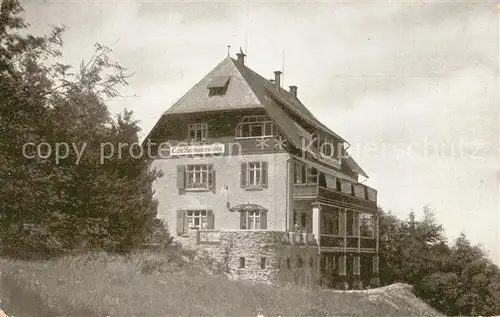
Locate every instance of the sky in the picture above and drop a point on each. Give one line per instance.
(413, 86)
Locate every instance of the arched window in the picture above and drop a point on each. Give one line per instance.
(255, 126)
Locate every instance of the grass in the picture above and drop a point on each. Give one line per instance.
(167, 284)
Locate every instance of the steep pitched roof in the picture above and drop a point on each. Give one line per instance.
(353, 165)
(239, 95)
(264, 87)
(247, 89)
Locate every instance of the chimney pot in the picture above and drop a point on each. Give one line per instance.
(293, 91)
(277, 78)
(241, 58)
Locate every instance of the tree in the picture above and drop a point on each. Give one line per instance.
(457, 280)
(411, 248)
(88, 205)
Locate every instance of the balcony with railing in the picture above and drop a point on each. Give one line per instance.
(351, 195)
(301, 191)
(349, 243)
(298, 238)
(309, 183)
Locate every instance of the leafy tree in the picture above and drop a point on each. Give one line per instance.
(77, 202)
(457, 280)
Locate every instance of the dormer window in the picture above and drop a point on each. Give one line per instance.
(218, 86)
(197, 133)
(255, 127)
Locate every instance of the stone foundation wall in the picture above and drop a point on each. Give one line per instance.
(260, 255)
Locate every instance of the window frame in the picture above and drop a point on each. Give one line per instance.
(206, 173)
(201, 127)
(217, 91)
(258, 171)
(306, 174)
(262, 121)
(254, 171)
(253, 220)
(202, 219)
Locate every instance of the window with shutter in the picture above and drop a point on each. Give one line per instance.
(254, 175)
(200, 176)
(253, 220)
(196, 219)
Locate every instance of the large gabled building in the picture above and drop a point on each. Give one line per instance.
(258, 182)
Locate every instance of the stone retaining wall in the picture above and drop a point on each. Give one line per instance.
(260, 255)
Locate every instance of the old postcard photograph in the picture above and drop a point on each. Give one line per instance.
(249, 158)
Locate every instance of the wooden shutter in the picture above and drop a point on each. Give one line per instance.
(180, 222)
(210, 219)
(211, 177)
(243, 180)
(181, 171)
(263, 220)
(243, 220)
(264, 174)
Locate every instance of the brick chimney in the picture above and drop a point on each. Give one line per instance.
(293, 91)
(277, 78)
(241, 58)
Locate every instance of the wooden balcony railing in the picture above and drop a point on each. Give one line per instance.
(296, 238)
(336, 241)
(331, 241)
(367, 243)
(305, 190)
(352, 242)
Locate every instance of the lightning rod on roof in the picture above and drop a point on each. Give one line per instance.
(228, 50)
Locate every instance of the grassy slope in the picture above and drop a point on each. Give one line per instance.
(153, 284)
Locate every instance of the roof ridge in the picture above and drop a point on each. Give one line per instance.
(241, 69)
(312, 119)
